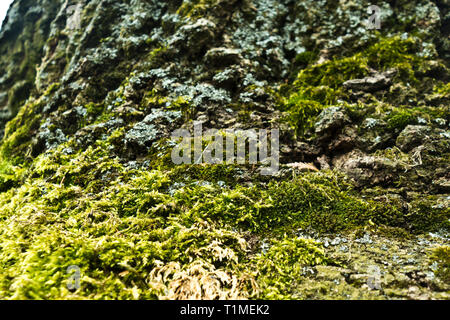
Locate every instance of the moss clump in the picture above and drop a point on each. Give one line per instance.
(184, 105)
(126, 228)
(332, 74)
(328, 203)
(396, 117)
(226, 174)
(10, 176)
(158, 56)
(281, 268)
(302, 61)
(317, 87)
(195, 8)
(117, 225)
(441, 256)
(94, 109)
(401, 118)
(320, 201)
(320, 85)
(302, 113)
(52, 88)
(19, 132)
(154, 99)
(397, 53)
(425, 216)
(442, 89)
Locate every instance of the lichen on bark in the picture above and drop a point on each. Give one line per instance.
(86, 177)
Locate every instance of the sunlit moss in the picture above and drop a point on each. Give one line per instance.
(52, 88)
(441, 256)
(195, 8)
(157, 230)
(443, 89)
(122, 226)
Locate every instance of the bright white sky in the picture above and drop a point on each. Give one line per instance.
(4, 5)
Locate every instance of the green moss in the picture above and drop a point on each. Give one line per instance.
(319, 86)
(324, 202)
(10, 176)
(94, 109)
(425, 216)
(387, 53)
(18, 133)
(153, 99)
(397, 53)
(442, 89)
(441, 256)
(396, 155)
(116, 225)
(52, 88)
(281, 269)
(332, 73)
(124, 227)
(206, 172)
(195, 8)
(302, 113)
(327, 203)
(301, 61)
(158, 56)
(184, 105)
(401, 118)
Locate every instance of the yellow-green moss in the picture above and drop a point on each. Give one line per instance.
(442, 89)
(52, 88)
(121, 226)
(18, 133)
(320, 85)
(441, 256)
(280, 270)
(195, 8)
